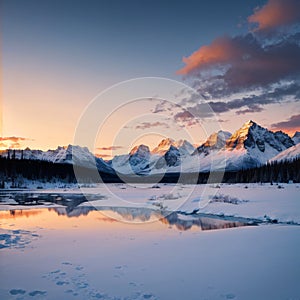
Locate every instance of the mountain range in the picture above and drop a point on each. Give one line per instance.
(250, 146)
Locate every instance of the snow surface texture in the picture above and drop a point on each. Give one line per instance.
(254, 201)
(82, 258)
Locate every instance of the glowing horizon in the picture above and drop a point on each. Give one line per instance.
(52, 68)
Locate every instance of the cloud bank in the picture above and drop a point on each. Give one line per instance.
(12, 142)
(147, 125)
(110, 148)
(292, 124)
(262, 65)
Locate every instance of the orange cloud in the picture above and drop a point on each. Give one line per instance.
(221, 50)
(110, 148)
(245, 61)
(276, 13)
(12, 142)
(104, 156)
(13, 139)
(290, 126)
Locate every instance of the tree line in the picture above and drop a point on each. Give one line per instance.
(15, 171)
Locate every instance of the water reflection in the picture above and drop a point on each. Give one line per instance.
(69, 206)
(138, 215)
(70, 201)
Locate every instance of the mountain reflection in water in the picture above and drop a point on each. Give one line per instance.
(69, 206)
(136, 215)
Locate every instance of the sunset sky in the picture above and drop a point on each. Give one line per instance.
(241, 57)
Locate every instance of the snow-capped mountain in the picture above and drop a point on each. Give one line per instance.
(250, 146)
(296, 137)
(76, 155)
(253, 145)
(141, 161)
(288, 154)
(215, 141)
(183, 146)
(171, 158)
(136, 162)
(139, 158)
(252, 136)
(163, 146)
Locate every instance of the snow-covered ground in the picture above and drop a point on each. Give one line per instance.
(257, 201)
(131, 251)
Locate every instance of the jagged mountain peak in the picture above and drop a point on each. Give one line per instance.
(216, 138)
(246, 136)
(166, 142)
(163, 146)
(296, 137)
(297, 133)
(251, 135)
(215, 141)
(182, 145)
(250, 146)
(140, 149)
(250, 123)
(246, 127)
(139, 159)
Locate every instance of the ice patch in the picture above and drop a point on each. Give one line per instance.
(17, 239)
(37, 293)
(15, 292)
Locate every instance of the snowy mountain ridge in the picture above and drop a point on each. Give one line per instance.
(250, 146)
(296, 137)
(288, 154)
(183, 146)
(76, 155)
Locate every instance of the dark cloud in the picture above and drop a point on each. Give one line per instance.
(160, 107)
(147, 125)
(246, 62)
(252, 109)
(250, 63)
(222, 121)
(186, 117)
(292, 123)
(252, 103)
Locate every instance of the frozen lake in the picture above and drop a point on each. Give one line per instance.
(72, 250)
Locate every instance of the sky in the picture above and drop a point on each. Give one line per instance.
(242, 58)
